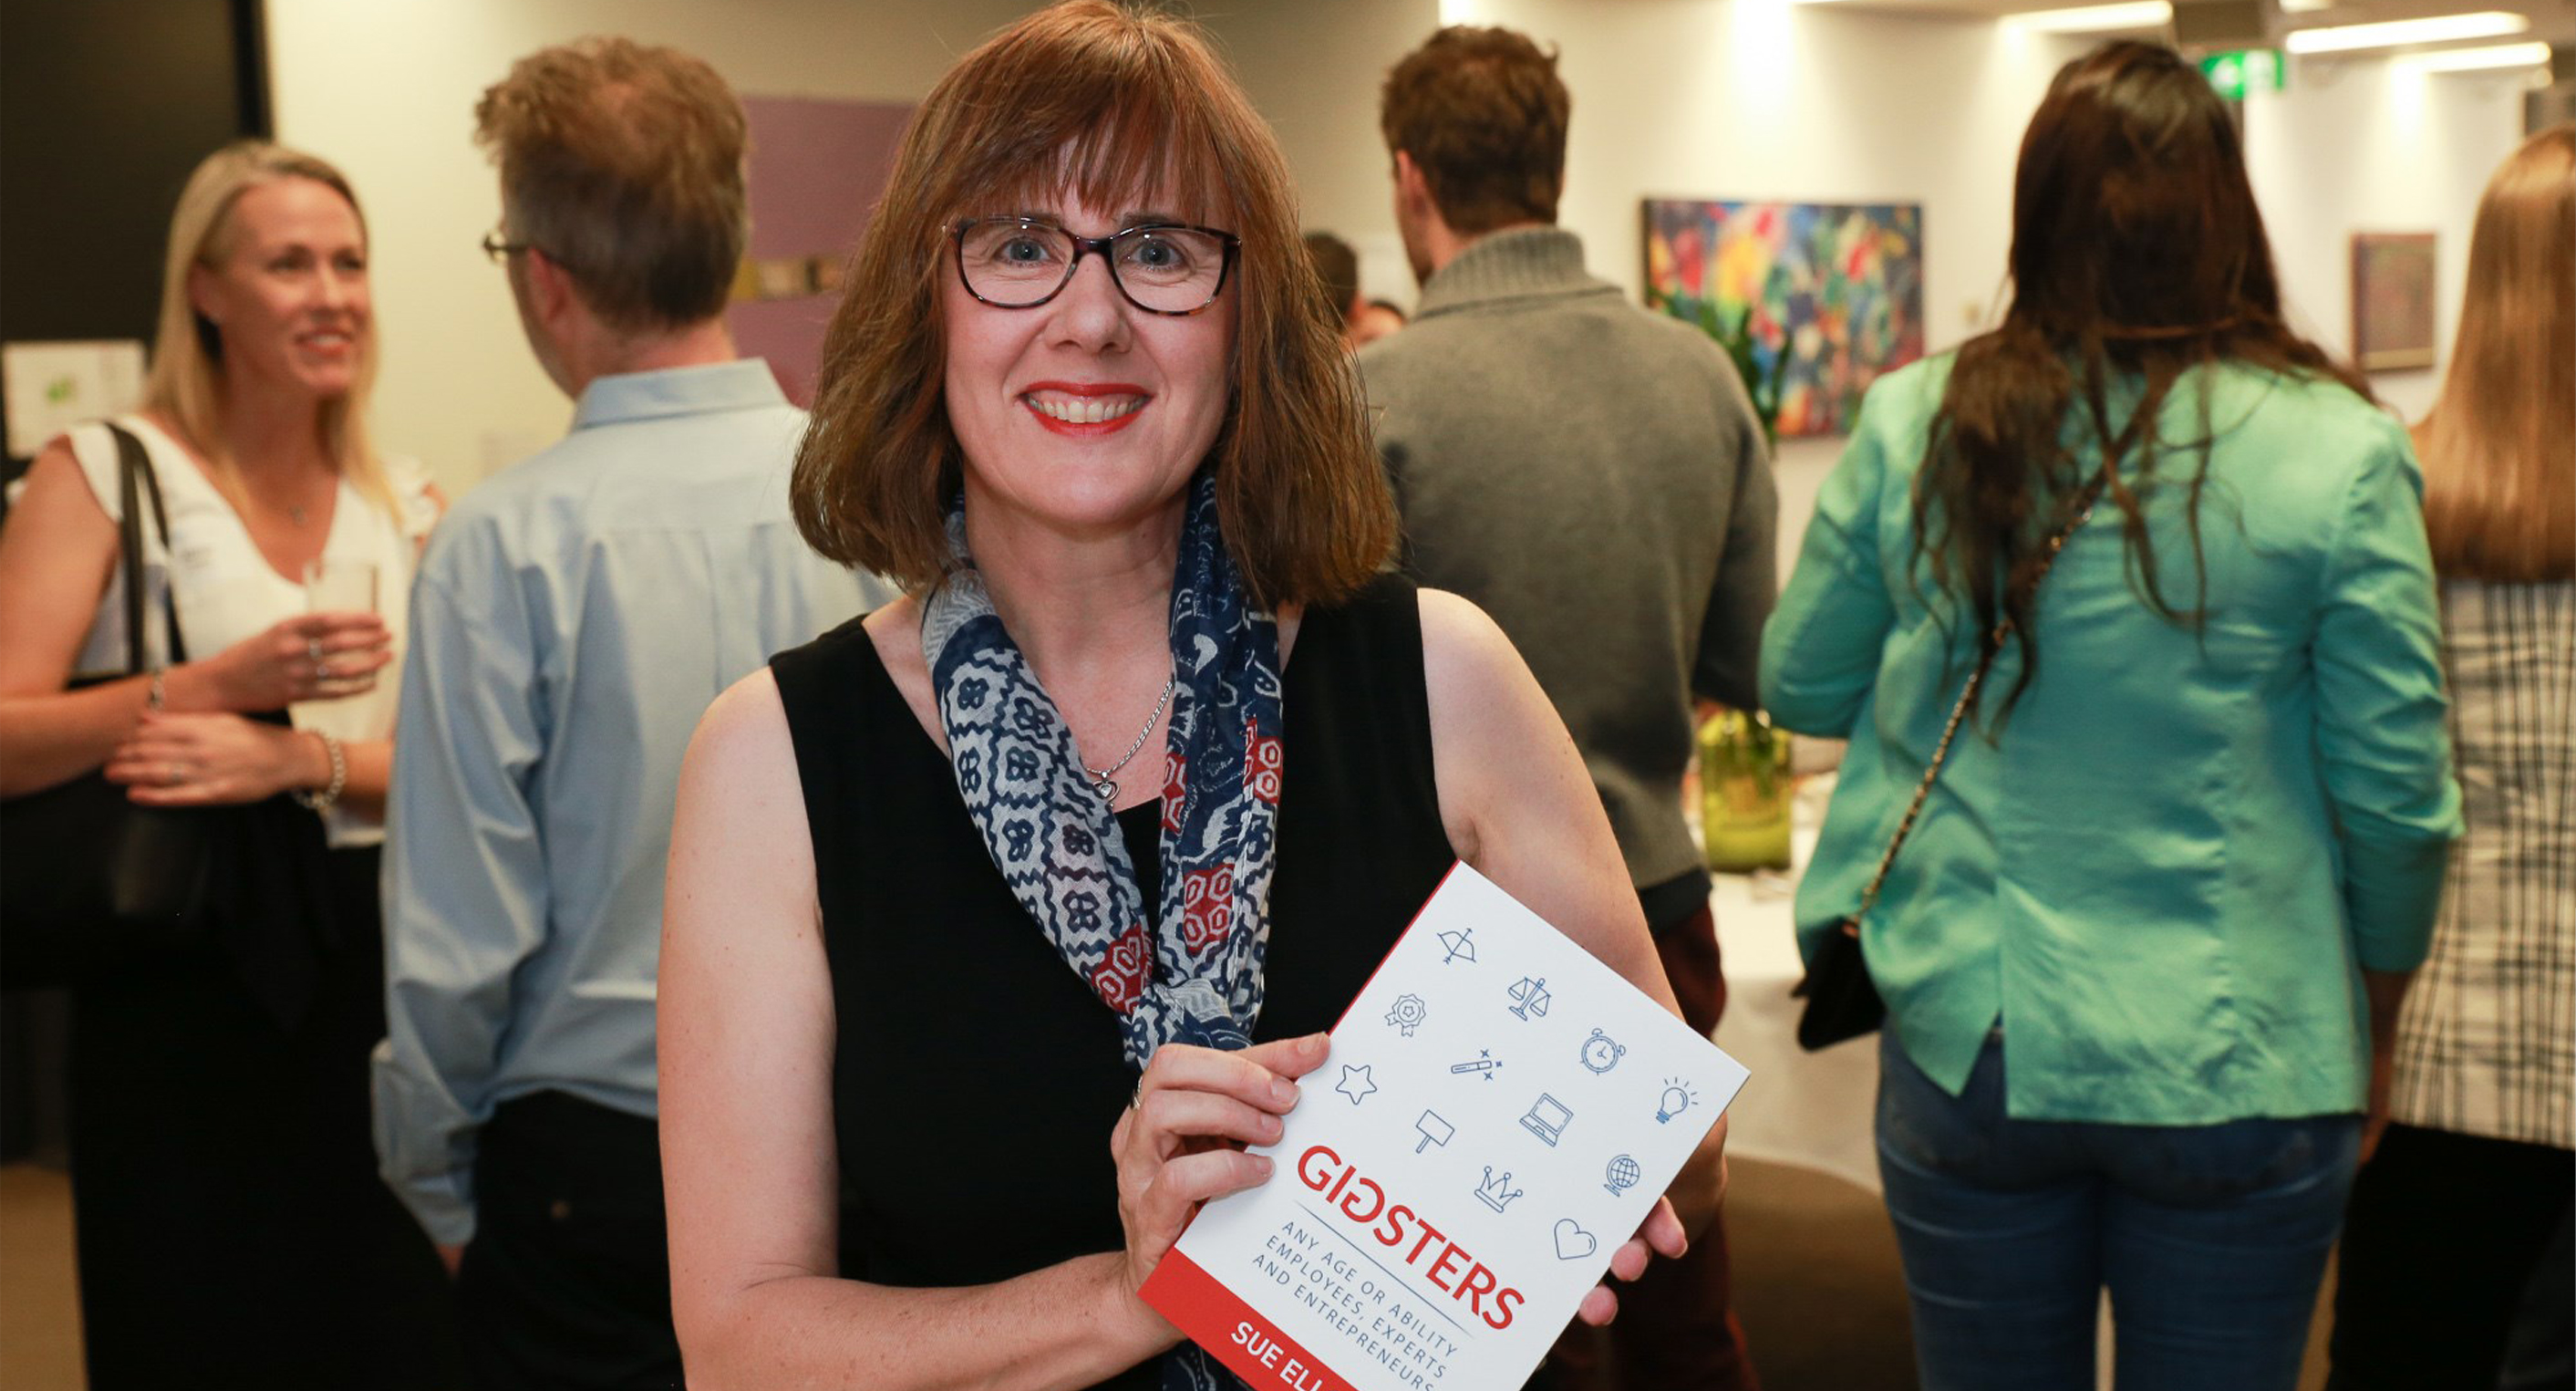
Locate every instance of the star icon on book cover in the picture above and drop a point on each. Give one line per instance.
(1356, 1084)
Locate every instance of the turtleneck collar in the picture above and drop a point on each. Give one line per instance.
(1516, 263)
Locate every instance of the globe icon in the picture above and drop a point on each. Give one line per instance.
(1622, 1175)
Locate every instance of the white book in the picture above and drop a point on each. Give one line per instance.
(1498, 1114)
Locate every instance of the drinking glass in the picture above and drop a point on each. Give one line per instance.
(336, 585)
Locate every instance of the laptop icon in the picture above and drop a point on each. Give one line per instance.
(1547, 1118)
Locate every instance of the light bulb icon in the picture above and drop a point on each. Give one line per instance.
(1677, 1098)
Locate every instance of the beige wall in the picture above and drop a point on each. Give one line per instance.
(2365, 145)
(1674, 97)
(1761, 98)
(1313, 67)
(386, 88)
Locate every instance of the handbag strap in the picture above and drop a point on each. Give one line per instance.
(134, 466)
(1968, 694)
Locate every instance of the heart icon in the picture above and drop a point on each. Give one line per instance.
(1572, 1242)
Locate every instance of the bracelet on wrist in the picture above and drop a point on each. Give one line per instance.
(157, 695)
(320, 803)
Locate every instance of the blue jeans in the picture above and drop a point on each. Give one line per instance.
(2212, 1239)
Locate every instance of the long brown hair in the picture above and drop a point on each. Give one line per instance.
(2138, 256)
(2499, 446)
(186, 382)
(1110, 104)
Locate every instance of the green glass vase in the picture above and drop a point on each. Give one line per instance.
(1744, 788)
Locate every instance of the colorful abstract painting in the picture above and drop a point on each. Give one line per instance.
(1830, 293)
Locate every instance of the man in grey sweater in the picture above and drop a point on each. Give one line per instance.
(1594, 477)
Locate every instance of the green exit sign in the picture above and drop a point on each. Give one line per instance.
(2246, 70)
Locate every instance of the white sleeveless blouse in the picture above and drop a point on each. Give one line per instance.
(227, 591)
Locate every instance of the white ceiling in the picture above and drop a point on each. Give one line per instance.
(2551, 20)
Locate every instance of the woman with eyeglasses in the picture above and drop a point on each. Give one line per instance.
(228, 1219)
(1088, 837)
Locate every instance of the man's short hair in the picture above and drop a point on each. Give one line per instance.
(623, 163)
(1338, 266)
(1483, 114)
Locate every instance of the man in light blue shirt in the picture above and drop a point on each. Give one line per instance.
(572, 619)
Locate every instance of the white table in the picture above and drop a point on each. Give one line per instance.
(1809, 1109)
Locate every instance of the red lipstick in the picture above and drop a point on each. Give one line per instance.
(1085, 409)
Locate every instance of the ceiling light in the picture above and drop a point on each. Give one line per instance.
(2096, 19)
(2305, 6)
(2343, 38)
(2502, 55)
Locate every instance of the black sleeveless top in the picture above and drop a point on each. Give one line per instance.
(976, 1077)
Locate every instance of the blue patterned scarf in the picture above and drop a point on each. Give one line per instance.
(1198, 980)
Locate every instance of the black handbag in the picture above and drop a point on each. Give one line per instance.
(1842, 1001)
(92, 885)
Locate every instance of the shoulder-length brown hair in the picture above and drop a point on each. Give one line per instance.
(2499, 446)
(1111, 105)
(186, 383)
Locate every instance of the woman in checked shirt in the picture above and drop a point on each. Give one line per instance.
(2473, 1175)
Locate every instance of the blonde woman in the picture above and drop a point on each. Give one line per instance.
(228, 1218)
(2472, 1177)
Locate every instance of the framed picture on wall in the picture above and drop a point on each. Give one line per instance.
(1821, 297)
(2392, 300)
(817, 167)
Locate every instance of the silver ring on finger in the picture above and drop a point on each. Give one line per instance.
(1136, 1098)
(174, 774)
(313, 649)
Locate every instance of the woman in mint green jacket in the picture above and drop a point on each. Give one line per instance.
(2173, 876)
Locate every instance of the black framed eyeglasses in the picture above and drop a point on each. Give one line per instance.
(1161, 267)
(501, 248)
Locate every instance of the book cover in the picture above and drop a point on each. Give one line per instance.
(1498, 1114)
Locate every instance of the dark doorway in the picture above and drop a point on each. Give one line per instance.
(104, 109)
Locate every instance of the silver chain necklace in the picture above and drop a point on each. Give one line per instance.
(1101, 782)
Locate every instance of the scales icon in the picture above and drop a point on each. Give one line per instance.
(1530, 997)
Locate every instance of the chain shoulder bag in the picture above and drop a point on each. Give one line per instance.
(1842, 1001)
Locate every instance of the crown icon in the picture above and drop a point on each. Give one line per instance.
(1497, 1193)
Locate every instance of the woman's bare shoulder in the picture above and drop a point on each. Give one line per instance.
(742, 848)
(1462, 646)
(741, 764)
